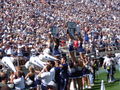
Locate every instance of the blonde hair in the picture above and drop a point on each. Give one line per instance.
(31, 69)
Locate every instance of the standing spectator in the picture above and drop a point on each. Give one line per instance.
(109, 66)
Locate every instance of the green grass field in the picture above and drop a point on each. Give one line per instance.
(108, 86)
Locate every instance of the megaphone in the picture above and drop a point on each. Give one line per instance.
(8, 63)
(36, 61)
(47, 57)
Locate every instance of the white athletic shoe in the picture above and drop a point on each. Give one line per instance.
(89, 87)
(83, 88)
(86, 86)
(109, 81)
(92, 84)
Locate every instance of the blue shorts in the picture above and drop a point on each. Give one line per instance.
(85, 71)
(71, 48)
(38, 82)
(56, 52)
(43, 87)
(82, 50)
(76, 74)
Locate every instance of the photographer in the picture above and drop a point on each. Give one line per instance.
(109, 65)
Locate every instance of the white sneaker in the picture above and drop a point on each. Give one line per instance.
(89, 87)
(86, 86)
(113, 81)
(92, 84)
(109, 81)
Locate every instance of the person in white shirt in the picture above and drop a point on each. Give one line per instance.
(19, 81)
(109, 66)
(107, 61)
(52, 70)
(45, 77)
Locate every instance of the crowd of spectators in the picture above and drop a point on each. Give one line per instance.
(29, 21)
(26, 25)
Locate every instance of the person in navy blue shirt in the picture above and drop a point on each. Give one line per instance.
(57, 74)
(64, 74)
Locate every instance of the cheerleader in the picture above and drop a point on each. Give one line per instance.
(31, 77)
(72, 74)
(56, 51)
(79, 80)
(71, 47)
(85, 79)
(80, 49)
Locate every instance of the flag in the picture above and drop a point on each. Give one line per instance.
(36, 61)
(8, 63)
(47, 57)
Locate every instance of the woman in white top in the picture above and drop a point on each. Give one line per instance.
(45, 77)
(18, 81)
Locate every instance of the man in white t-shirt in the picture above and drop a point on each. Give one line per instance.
(107, 61)
(108, 64)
